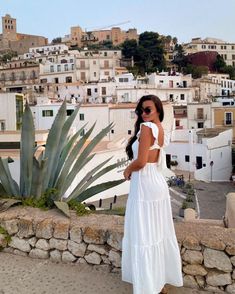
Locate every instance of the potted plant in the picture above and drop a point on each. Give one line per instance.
(173, 164)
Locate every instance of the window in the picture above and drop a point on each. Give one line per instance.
(200, 125)
(112, 131)
(95, 74)
(81, 116)
(177, 123)
(68, 79)
(89, 92)
(106, 64)
(69, 111)
(105, 54)
(82, 64)
(129, 132)
(171, 97)
(181, 96)
(2, 125)
(103, 90)
(58, 67)
(96, 90)
(66, 67)
(52, 68)
(94, 62)
(233, 56)
(47, 113)
(233, 47)
(106, 73)
(187, 158)
(228, 118)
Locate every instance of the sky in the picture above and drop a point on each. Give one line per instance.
(184, 19)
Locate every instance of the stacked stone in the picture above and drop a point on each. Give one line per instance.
(208, 264)
(61, 241)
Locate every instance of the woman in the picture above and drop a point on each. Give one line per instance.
(150, 256)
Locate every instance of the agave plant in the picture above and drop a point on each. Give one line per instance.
(58, 164)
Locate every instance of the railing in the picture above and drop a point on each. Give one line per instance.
(200, 117)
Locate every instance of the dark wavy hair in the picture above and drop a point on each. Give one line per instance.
(159, 107)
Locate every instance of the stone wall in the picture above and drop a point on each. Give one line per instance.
(208, 251)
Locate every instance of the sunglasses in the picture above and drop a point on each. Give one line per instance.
(145, 110)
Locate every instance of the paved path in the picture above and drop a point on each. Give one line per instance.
(23, 275)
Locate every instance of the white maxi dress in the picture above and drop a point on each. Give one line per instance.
(150, 252)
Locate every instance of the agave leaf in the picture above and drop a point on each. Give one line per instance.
(39, 172)
(2, 190)
(69, 179)
(7, 180)
(66, 150)
(52, 144)
(62, 141)
(71, 158)
(27, 143)
(63, 206)
(81, 161)
(91, 176)
(7, 203)
(97, 189)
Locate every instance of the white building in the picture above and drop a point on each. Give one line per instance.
(207, 153)
(11, 111)
(199, 115)
(99, 65)
(225, 49)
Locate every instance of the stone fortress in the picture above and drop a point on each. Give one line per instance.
(11, 40)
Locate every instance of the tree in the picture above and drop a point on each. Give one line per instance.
(219, 64)
(196, 71)
(57, 40)
(129, 48)
(180, 58)
(8, 56)
(150, 53)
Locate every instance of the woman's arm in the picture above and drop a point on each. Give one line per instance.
(144, 144)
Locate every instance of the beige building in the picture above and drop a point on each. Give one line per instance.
(115, 35)
(11, 40)
(225, 49)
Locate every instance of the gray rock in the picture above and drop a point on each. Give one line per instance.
(93, 258)
(42, 244)
(76, 234)
(115, 240)
(213, 289)
(231, 288)
(215, 278)
(105, 259)
(193, 257)
(201, 281)
(190, 282)
(55, 255)
(103, 268)
(39, 253)
(25, 228)
(94, 236)
(20, 244)
(58, 244)
(81, 260)
(98, 248)
(11, 226)
(194, 270)
(44, 229)
(18, 252)
(8, 250)
(32, 241)
(115, 258)
(217, 259)
(233, 274)
(61, 230)
(77, 249)
(3, 241)
(233, 260)
(68, 257)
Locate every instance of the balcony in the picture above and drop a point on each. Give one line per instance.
(180, 115)
(201, 117)
(229, 123)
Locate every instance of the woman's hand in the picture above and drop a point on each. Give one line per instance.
(127, 174)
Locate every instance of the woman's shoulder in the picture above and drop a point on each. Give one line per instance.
(152, 126)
